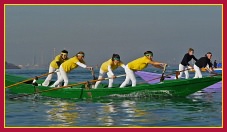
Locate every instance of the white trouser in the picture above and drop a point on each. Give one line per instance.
(62, 77)
(101, 74)
(181, 68)
(198, 73)
(129, 76)
(49, 77)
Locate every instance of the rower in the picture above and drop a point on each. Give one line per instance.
(69, 65)
(138, 65)
(202, 63)
(215, 63)
(184, 65)
(54, 66)
(108, 67)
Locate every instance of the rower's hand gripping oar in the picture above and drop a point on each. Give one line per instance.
(94, 78)
(212, 72)
(35, 78)
(163, 72)
(57, 88)
(34, 81)
(178, 72)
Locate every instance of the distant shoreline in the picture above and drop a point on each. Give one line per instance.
(11, 66)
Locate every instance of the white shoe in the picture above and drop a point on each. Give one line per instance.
(52, 86)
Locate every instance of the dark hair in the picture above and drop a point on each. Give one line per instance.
(115, 56)
(190, 49)
(64, 51)
(81, 52)
(208, 53)
(148, 52)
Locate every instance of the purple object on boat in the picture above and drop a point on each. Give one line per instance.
(152, 78)
(217, 87)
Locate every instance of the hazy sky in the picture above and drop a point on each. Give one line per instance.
(100, 31)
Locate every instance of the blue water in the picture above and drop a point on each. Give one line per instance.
(199, 109)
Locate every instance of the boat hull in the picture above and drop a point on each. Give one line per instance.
(169, 88)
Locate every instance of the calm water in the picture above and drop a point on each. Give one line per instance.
(199, 109)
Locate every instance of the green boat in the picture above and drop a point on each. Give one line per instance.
(168, 88)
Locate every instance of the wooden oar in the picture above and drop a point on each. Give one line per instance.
(43, 75)
(57, 88)
(212, 72)
(94, 78)
(177, 73)
(163, 72)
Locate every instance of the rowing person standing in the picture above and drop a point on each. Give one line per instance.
(184, 65)
(69, 65)
(138, 65)
(202, 63)
(54, 66)
(108, 67)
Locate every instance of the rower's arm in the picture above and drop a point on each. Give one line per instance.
(81, 64)
(210, 66)
(123, 65)
(194, 58)
(157, 64)
(84, 66)
(110, 70)
(209, 69)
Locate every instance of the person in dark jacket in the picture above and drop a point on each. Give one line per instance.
(215, 63)
(184, 63)
(202, 63)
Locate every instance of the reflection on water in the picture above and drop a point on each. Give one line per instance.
(62, 112)
(115, 112)
(106, 119)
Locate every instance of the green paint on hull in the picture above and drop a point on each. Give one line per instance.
(169, 88)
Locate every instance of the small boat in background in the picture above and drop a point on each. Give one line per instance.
(218, 70)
